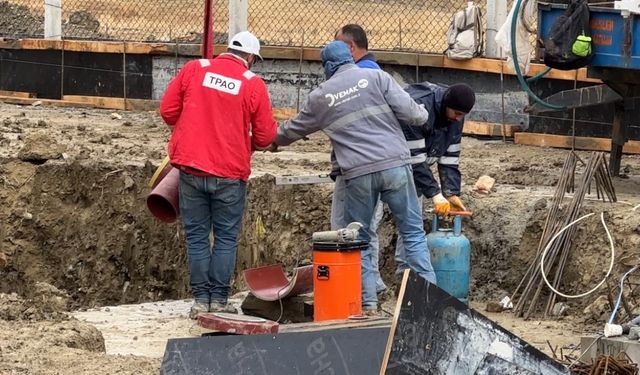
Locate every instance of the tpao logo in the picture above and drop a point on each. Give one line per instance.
(348, 94)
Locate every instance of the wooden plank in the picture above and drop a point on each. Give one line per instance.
(287, 53)
(17, 94)
(114, 103)
(142, 105)
(335, 324)
(582, 143)
(494, 66)
(87, 102)
(96, 101)
(488, 129)
(394, 322)
(470, 127)
(45, 102)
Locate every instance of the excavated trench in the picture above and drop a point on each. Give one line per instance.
(86, 230)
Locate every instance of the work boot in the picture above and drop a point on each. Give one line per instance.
(197, 308)
(371, 312)
(222, 308)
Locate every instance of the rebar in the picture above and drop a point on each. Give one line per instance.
(529, 291)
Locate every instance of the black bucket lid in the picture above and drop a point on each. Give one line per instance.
(340, 246)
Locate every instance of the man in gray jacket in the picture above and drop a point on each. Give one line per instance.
(361, 111)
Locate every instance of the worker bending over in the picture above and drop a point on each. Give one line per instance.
(438, 141)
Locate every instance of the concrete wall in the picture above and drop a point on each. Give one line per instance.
(290, 82)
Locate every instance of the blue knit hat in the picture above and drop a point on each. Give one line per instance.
(334, 55)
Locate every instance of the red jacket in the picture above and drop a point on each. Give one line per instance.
(219, 112)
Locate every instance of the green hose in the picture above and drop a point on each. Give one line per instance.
(539, 75)
(514, 55)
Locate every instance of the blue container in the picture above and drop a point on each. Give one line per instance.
(451, 258)
(616, 39)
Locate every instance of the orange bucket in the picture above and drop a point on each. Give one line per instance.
(337, 289)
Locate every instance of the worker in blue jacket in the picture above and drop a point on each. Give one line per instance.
(356, 38)
(437, 142)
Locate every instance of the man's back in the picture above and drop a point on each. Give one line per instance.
(361, 111)
(213, 104)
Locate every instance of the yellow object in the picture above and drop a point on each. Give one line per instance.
(582, 46)
(456, 203)
(158, 171)
(441, 205)
(261, 232)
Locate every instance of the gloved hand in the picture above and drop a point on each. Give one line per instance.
(441, 205)
(456, 203)
(271, 148)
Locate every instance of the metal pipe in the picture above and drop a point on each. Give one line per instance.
(207, 36)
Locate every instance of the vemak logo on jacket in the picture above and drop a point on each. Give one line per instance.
(346, 95)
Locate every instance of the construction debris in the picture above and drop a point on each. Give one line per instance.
(530, 288)
(607, 365)
(484, 184)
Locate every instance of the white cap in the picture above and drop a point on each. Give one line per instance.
(244, 41)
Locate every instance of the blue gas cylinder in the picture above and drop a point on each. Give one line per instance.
(451, 258)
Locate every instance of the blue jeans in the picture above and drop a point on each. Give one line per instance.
(401, 265)
(206, 204)
(394, 187)
(338, 222)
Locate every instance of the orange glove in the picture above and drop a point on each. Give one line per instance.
(441, 205)
(456, 203)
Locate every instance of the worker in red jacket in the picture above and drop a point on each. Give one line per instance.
(219, 112)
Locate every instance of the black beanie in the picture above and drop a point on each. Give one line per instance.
(459, 97)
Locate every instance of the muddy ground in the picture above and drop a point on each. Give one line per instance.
(75, 233)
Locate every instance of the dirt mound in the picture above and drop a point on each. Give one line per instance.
(62, 347)
(18, 20)
(84, 19)
(83, 24)
(70, 333)
(40, 147)
(46, 303)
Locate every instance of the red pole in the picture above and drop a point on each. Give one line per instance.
(207, 36)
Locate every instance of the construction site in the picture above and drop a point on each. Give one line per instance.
(91, 282)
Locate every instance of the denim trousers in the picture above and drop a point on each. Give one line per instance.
(338, 222)
(395, 187)
(211, 204)
(401, 264)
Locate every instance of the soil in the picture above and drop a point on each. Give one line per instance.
(18, 20)
(75, 235)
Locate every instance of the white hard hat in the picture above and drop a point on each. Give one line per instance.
(244, 41)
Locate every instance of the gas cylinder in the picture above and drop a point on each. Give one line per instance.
(451, 258)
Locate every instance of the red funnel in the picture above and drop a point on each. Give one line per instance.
(163, 200)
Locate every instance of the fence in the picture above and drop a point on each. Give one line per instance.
(121, 20)
(417, 25)
(400, 25)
